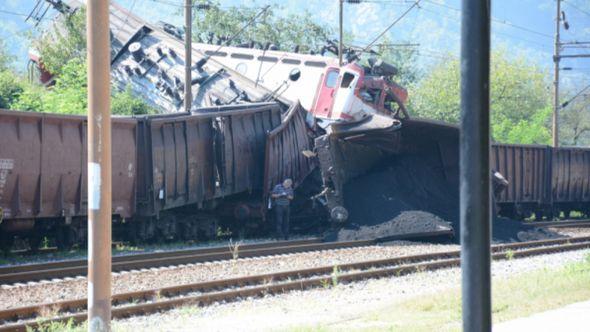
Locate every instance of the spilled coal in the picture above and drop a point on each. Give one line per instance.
(407, 222)
(406, 194)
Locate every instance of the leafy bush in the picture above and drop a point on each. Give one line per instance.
(69, 95)
(31, 98)
(125, 103)
(65, 42)
(10, 89)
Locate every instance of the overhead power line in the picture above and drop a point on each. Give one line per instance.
(206, 5)
(12, 13)
(179, 4)
(576, 43)
(456, 19)
(576, 7)
(497, 20)
(564, 104)
(125, 21)
(391, 25)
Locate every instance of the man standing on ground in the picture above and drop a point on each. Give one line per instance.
(282, 194)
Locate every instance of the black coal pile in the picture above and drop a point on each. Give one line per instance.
(538, 234)
(507, 230)
(400, 195)
(407, 222)
(409, 185)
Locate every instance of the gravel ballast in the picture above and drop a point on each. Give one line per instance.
(339, 308)
(75, 288)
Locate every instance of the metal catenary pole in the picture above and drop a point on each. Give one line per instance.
(474, 169)
(188, 21)
(341, 33)
(556, 58)
(99, 166)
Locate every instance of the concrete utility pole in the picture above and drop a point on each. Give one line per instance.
(475, 212)
(99, 166)
(341, 28)
(556, 58)
(188, 22)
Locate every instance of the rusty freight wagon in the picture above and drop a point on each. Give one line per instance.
(43, 179)
(542, 180)
(168, 170)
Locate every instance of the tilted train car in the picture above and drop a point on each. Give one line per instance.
(542, 180)
(195, 159)
(168, 170)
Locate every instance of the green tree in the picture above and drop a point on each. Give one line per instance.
(285, 32)
(404, 59)
(436, 96)
(5, 58)
(30, 99)
(69, 94)
(124, 103)
(519, 98)
(534, 130)
(63, 53)
(63, 43)
(10, 88)
(574, 121)
(10, 85)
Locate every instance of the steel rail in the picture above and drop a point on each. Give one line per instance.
(558, 224)
(70, 268)
(125, 263)
(148, 255)
(26, 252)
(273, 283)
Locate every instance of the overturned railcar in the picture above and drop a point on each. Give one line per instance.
(371, 175)
(151, 62)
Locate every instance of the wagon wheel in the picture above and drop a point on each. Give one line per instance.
(65, 237)
(539, 214)
(35, 242)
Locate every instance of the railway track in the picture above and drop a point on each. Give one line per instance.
(558, 224)
(204, 293)
(47, 250)
(71, 268)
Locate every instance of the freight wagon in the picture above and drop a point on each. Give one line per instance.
(170, 172)
(542, 180)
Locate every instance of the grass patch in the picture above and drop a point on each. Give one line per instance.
(520, 296)
(70, 326)
(189, 310)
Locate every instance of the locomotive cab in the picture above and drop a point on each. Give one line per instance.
(348, 94)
